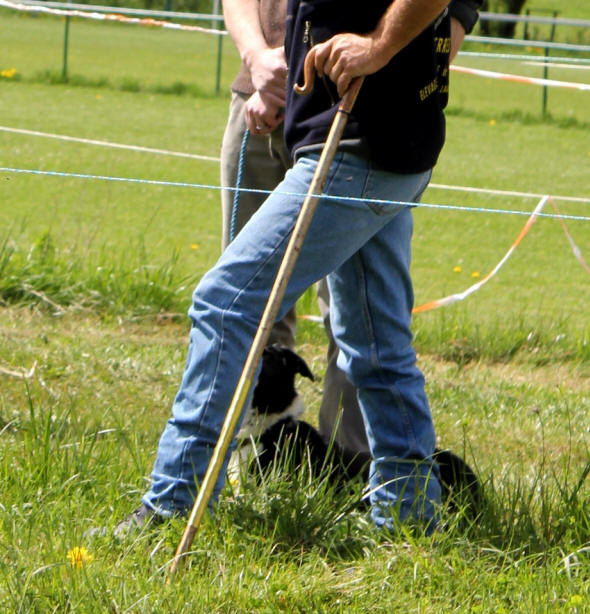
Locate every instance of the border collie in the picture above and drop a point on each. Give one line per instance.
(272, 427)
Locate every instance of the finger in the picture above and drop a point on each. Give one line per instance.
(259, 125)
(252, 122)
(341, 75)
(273, 98)
(343, 78)
(277, 83)
(329, 60)
(336, 70)
(270, 121)
(266, 118)
(343, 85)
(263, 127)
(319, 54)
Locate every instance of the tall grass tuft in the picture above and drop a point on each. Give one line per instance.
(60, 279)
(455, 337)
(124, 83)
(288, 542)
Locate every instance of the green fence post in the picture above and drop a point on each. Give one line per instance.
(218, 76)
(546, 63)
(219, 25)
(64, 70)
(545, 75)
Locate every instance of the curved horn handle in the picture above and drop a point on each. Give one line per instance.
(309, 73)
(308, 77)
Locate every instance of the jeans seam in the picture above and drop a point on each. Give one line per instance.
(336, 164)
(224, 312)
(363, 291)
(176, 501)
(374, 349)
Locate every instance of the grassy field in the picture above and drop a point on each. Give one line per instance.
(95, 277)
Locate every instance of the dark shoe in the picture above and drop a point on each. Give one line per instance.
(140, 518)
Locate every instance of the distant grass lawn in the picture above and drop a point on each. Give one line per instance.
(541, 287)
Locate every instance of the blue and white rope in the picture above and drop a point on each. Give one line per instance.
(182, 184)
(236, 203)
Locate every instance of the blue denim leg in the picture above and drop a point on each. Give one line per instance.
(229, 300)
(372, 299)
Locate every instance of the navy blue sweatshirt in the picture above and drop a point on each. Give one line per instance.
(398, 117)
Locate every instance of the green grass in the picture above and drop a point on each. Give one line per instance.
(169, 58)
(78, 440)
(541, 287)
(95, 277)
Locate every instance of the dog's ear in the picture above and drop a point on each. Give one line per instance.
(295, 363)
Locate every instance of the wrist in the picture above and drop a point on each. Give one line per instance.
(251, 55)
(381, 49)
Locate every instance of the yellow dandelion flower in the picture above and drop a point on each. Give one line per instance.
(475, 274)
(457, 269)
(78, 556)
(8, 73)
(194, 246)
(492, 122)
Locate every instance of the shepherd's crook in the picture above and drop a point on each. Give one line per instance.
(267, 321)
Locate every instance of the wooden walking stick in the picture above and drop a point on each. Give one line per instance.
(269, 315)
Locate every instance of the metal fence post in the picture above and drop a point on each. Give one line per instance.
(64, 70)
(546, 64)
(219, 55)
(219, 26)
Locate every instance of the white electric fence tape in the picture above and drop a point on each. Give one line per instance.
(575, 249)
(75, 139)
(454, 298)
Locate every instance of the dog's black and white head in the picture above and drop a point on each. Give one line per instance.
(271, 426)
(274, 401)
(275, 397)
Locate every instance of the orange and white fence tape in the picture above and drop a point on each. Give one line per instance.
(149, 21)
(575, 249)
(454, 298)
(490, 74)
(143, 21)
(459, 296)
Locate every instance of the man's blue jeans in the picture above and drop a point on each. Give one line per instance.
(365, 250)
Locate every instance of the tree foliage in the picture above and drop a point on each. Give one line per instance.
(503, 29)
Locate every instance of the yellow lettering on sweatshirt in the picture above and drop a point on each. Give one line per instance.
(429, 89)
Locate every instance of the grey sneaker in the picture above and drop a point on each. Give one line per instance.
(137, 520)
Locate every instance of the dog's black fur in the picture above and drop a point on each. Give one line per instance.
(275, 388)
(274, 398)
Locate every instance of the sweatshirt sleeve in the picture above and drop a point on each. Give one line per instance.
(466, 11)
